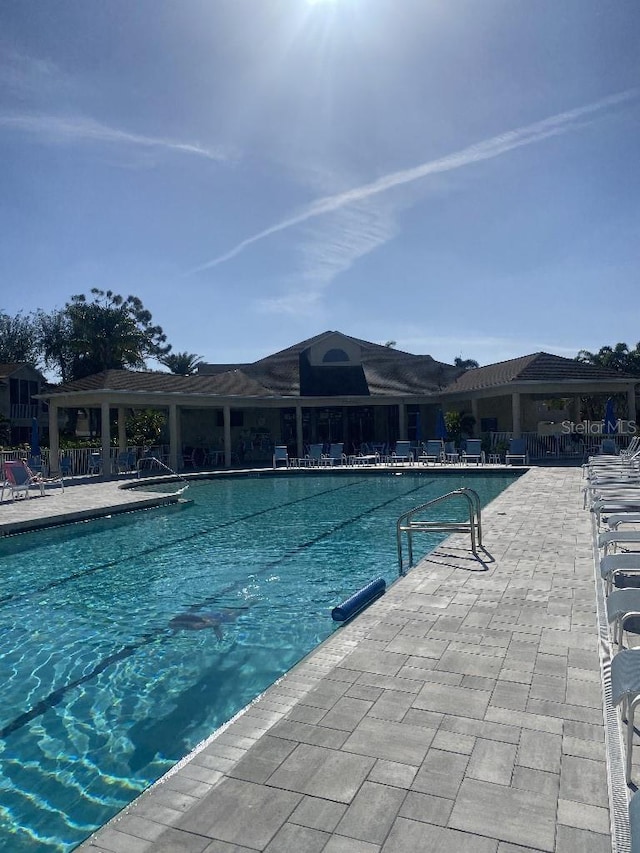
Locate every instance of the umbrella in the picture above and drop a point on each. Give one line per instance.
(441, 427)
(610, 420)
(35, 437)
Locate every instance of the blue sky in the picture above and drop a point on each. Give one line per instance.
(461, 177)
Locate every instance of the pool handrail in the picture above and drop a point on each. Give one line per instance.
(407, 524)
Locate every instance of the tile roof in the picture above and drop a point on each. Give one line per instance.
(537, 367)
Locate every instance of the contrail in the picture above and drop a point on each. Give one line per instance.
(488, 149)
(85, 129)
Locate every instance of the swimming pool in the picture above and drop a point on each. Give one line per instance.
(106, 683)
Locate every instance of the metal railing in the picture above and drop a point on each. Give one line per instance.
(409, 524)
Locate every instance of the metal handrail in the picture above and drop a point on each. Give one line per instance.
(155, 462)
(408, 525)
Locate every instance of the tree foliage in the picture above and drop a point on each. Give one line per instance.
(107, 332)
(19, 340)
(618, 357)
(181, 363)
(144, 427)
(465, 363)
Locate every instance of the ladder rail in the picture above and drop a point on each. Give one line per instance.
(408, 524)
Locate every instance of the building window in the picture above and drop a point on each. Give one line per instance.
(334, 355)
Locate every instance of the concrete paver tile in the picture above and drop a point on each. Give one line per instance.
(402, 742)
(572, 840)
(393, 773)
(376, 662)
(392, 705)
(540, 751)
(304, 733)
(346, 713)
(322, 772)
(525, 817)
(506, 694)
(342, 844)
(450, 699)
(583, 780)
(503, 732)
(318, 813)
(441, 773)
(409, 836)
(242, 813)
(427, 808)
(262, 759)
(537, 781)
(293, 838)
(371, 813)
(492, 761)
(581, 816)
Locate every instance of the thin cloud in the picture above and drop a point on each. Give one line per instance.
(556, 125)
(74, 130)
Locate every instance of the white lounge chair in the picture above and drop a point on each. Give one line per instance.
(625, 691)
(19, 479)
(622, 604)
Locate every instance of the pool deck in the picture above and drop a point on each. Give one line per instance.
(462, 712)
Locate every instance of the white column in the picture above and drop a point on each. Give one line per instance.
(299, 438)
(54, 439)
(515, 410)
(106, 440)
(175, 460)
(226, 412)
(122, 429)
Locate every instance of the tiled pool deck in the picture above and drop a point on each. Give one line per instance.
(461, 712)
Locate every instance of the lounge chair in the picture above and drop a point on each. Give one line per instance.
(517, 452)
(280, 454)
(335, 456)
(314, 456)
(473, 451)
(625, 691)
(618, 564)
(622, 604)
(19, 479)
(125, 461)
(401, 453)
(433, 452)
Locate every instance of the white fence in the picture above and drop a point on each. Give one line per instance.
(570, 446)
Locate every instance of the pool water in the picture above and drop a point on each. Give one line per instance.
(126, 641)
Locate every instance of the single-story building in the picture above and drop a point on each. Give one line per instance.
(333, 388)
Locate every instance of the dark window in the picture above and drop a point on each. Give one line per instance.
(335, 355)
(237, 418)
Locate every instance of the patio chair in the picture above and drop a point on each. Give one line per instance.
(401, 453)
(625, 691)
(95, 463)
(280, 454)
(433, 452)
(19, 478)
(517, 452)
(335, 456)
(622, 604)
(313, 457)
(616, 564)
(125, 461)
(473, 451)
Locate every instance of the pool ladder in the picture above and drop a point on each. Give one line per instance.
(409, 524)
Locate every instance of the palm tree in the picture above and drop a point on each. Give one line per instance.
(182, 363)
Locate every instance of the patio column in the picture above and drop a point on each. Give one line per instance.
(631, 402)
(299, 438)
(174, 437)
(226, 413)
(402, 421)
(106, 440)
(54, 439)
(515, 411)
(122, 429)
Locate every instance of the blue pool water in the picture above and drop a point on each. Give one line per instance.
(103, 685)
